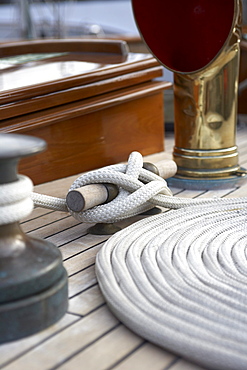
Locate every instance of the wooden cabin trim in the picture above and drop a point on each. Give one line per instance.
(50, 116)
(38, 103)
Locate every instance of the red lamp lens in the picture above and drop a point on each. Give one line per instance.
(184, 35)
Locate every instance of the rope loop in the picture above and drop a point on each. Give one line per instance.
(138, 187)
(139, 191)
(15, 200)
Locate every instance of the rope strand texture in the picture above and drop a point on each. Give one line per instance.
(179, 279)
(140, 190)
(15, 201)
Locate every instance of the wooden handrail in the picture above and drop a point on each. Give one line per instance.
(116, 47)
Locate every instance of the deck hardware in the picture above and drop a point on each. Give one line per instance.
(139, 190)
(33, 281)
(103, 229)
(205, 64)
(110, 229)
(90, 195)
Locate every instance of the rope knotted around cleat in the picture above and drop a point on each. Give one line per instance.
(139, 191)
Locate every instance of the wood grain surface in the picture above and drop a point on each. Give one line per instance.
(89, 119)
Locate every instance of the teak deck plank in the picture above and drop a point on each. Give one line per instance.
(146, 357)
(82, 261)
(44, 220)
(53, 226)
(12, 351)
(89, 336)
(107, 351)
(56, 349)
(81, 281)
(77, 246)
(87, 301)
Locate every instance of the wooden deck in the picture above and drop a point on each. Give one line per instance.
(89, 336)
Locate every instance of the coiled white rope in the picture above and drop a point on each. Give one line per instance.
(15, 200)
(179, 279)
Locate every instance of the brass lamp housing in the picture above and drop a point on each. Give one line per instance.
(205, 105)
(205, 102)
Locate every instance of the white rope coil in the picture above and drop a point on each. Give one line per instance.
(15, 201)
(179, 279)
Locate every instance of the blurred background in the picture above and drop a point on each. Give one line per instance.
(36, 19)
(29, 19)
(71, 18)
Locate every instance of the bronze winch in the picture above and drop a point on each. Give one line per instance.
(33, 281)
(200, 42)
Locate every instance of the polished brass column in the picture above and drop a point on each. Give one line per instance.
(205, 111)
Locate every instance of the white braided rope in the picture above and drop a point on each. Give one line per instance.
(15, 201)
(138, 187)
(134, 196)
(49, 202)
(179, 279)
(140, 190)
